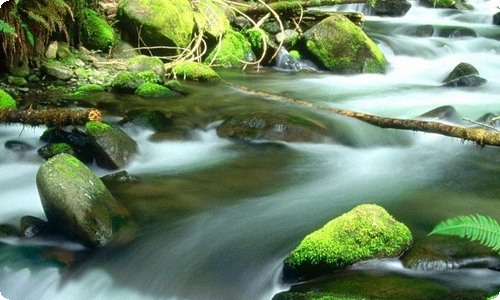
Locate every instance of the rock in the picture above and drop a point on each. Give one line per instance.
(77, 203)
(190, 70)
(96, 33)
(274, 127)
(233, 52)
(17, 81)
(7, 230)
(392, 8)
(51, 52)
(52, 149)
(444, 252)
(445, 113)
(32, 226)
(59, 141)
(457, 32)
(113, 148)
(20, 70)
(153, 90)
(338, 45)
(63, 51)
(142, 63)
(162, 23)
(151, 119)
(6, 100)
(357, 285)
(496, 19)
(17, 146)
(464, 75)
(365, 232)
(128, 82)
(119, 177)
(57, 70)
(211, 18)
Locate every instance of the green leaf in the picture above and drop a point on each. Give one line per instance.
(480, 228)
(29, 35)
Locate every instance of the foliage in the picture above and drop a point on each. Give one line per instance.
(96, 34)
(480, 228)
(6, 100)
(28, 25)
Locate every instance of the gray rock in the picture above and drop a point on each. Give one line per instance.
(464, 75)
(51, 52)
(392, 8)
(142, 63)
(496, 19)
(112, 146)
(57, 70)
(32, 226)
(77, 203)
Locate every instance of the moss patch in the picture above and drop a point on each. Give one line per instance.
(233, 51)
(96, 127)
(96, 33)
(153, 90)
(365, 232)
(195, 71)
(6, 100)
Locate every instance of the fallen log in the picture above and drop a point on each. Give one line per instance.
(480, 136)
(54, 117)
(292, 7)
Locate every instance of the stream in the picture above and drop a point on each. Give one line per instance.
(218, 217)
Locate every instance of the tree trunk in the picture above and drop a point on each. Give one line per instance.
(55, 117)
(480, 136)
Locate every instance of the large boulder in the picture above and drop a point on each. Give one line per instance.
(366, 232)
(158, 22)
(392, 8)
(464, 75)
(233, 52)
(141, 63)
(78, 205)
(96, 33)
(340, 46)
(112, 146)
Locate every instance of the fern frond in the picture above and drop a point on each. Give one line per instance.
(39, 19)
(7, 28)
(480, 228)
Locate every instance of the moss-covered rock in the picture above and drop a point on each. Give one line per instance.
(96, 33)
(273, 126)
(365, 232)
(57, 69)
(126, 82)
(52, 149)
(142, 63)
(6, 100)
(153, 90)
(339, 45)
(77, 203)
(113, 148)
(17, 81)
(152, 119)
(188, 70)
(233, 51)
(210, 18)
(89, 88)
(162, 23)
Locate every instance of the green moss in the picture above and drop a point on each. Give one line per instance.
(95, 127)
(148, 77)
(443, 3)
(142, 63)
(233, 51)
(256, 37)
(126, 81)
(6, 101)
(367, 231)
(295, 54)
(96, 33)
(188, 70)
(87, 88)
(153, 90)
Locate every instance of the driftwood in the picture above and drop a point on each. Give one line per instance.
(480, 136)
(292, 7)
(54, 117)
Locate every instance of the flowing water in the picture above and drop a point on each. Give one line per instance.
(218, 217)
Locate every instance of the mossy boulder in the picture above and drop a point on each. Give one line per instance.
(6, 100)
(52, 149)
(274, 127)
(464, 75)
(128, 82)
(366, 232)
(57, 69)
(151, 119)
(113, 148)
(210, 17)
(233, 52)
(78, 204)
(142, 63)
(153, 90)
(161, 23)
(338, 45)
(189, 70)
(96, 33)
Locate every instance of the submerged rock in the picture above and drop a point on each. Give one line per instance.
(113, 148)
(445, 252)
(77, 203)
(445, 113)
(32, 226)
(464, 75)
(339, 45)
(392, 8)
(365, 232)
(151, 119)
(274, 127)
